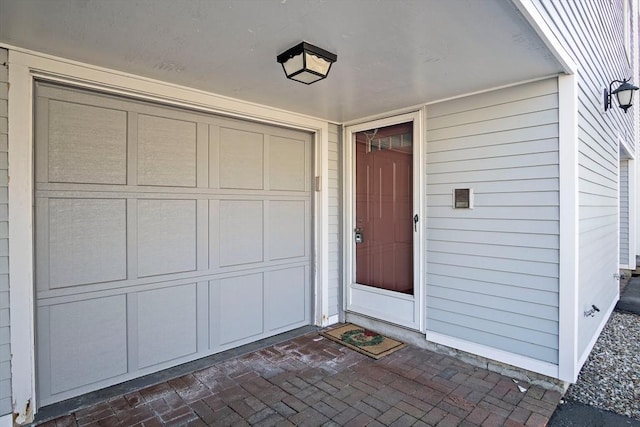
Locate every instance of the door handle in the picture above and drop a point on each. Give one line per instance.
(359, 238)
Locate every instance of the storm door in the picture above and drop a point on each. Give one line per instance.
(385, 221)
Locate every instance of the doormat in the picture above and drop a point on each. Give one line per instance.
(363, 340)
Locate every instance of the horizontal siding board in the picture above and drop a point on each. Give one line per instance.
(533, 172)
(496, 341)
(533, 213)
(510, 225)
(498, 111)
(516, 279)
(492, 250)
(528, 240)
(510, 149)
(494, 140)
(497, 264)
(469, 321)
(515, 319)
(535, 311)
(495, 125)
(515, 93)
(498, 162)
(513, 291)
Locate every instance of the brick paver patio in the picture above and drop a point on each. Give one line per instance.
(312, 381)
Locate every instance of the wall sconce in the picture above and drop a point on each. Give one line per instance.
(306, 63)
(624, 94)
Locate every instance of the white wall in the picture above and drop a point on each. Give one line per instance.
(492, 272)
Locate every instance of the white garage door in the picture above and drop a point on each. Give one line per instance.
(162, 236)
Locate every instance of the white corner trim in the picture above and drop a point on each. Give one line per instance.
(569, 232)
(332, 320)
(633, 212)
(21, 295)
(24, 67)
(540, 26)
(605, 318)
(523, 362)
(6, 421)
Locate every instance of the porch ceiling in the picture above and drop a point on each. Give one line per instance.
(391, 54)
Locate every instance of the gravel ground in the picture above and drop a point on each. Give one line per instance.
(611, 377)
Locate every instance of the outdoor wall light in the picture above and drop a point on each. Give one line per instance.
(624, 94)
(306, 63)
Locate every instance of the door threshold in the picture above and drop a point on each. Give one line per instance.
(398, 332)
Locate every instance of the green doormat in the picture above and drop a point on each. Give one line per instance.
(363, 340)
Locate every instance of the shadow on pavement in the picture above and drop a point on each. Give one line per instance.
(570, 414)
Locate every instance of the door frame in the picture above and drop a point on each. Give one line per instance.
(417, 320)
(26, 66)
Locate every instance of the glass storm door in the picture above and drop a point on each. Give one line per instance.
(385, 224)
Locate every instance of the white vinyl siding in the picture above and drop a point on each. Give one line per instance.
(585, 29)
(335, 244)
(5, 346)
(624, 212)
(492, 271)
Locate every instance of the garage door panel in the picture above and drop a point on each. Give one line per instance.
(200, 242)
(86, 241)
(88, 342)
(241, 232)
(85, 144)
(237, 308)
(166, 152)
(241, 159)
(285, 294)
(287, 229)
(287, 168)
(166, 324)
(166, 236)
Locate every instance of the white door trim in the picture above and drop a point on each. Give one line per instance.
(24, 67)
(416, 320)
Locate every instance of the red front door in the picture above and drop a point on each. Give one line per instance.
(384, 222)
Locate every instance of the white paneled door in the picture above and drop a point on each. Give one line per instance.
(162, 236)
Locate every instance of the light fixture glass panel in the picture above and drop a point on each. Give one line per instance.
(306, 77)
(294, 64)
(624, 97)
(317, 64)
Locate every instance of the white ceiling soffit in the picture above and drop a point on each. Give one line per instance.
(391, 53)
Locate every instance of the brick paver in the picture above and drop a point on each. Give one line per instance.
(312, 381)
